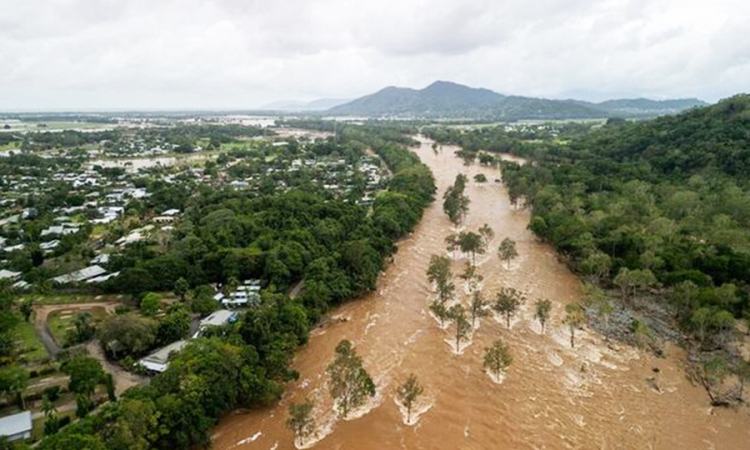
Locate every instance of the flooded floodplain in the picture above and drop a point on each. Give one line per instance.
(595, 396)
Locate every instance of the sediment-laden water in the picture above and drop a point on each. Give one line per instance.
(596, 396)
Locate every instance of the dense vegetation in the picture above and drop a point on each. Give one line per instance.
(658, 210)
(337, 248)
(180, 138)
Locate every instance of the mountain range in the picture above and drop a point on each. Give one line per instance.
(444, 99)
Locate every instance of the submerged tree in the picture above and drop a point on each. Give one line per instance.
(457, 314)
(472, 244)
(451, 244)
(507, 303)
(543, 308)
(408, 393)
(477, 307)
(574, 319)
(439, 272)
(439, 269)
(441, 312)
(456, 203)
(301, 420)
(446, 291)
(350, 384)
(487, 234)
(497, 358)
(507, 251)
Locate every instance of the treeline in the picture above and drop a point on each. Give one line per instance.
(184, 137)
(187, 137)
(533, 141)
(84, 118)
(638, 206)
(336, 248)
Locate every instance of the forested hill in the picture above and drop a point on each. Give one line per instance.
(450, 100)
(715, 137)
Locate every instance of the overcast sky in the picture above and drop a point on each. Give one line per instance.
(131, 54)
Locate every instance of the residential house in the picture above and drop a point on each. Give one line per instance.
(16, 427)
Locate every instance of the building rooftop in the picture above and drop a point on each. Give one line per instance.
(80, 275)
(158, 361)
(15, 424)
(8, 274)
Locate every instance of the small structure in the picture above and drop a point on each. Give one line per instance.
(80, 275)
(7, 274)
(158, 361)
(248, 294)
(16, 427)
(216, 319)
(163, 219)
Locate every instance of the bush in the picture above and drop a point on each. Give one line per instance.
(52, 393)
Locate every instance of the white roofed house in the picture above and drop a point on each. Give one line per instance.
(216, 319)
(9, 275)
(248, 294)
(158, 361)
(16, 427)
(49, 246)
(60, 230)
(80, 275)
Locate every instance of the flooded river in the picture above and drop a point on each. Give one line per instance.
(596, 396)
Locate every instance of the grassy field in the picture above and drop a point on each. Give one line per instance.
(62, 321)
(33, 126)
(32, 349)
(10, 146)
(229, 146)
(69, 299)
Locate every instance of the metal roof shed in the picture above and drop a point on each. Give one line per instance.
(17, 426)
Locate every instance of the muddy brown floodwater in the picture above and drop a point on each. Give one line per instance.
(595, 396)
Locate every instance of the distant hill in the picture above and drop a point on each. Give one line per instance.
(294, 105)
(645, 107)
(714, 137)
(451, 100)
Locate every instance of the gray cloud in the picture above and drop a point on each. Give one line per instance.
(58, 54)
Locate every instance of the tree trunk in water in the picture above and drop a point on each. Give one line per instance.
(572, 337)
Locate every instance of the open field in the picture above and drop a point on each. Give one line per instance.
(69, 299)
(63, 320)
(32, 348)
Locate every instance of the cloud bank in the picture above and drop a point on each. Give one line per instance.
(83, 54)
